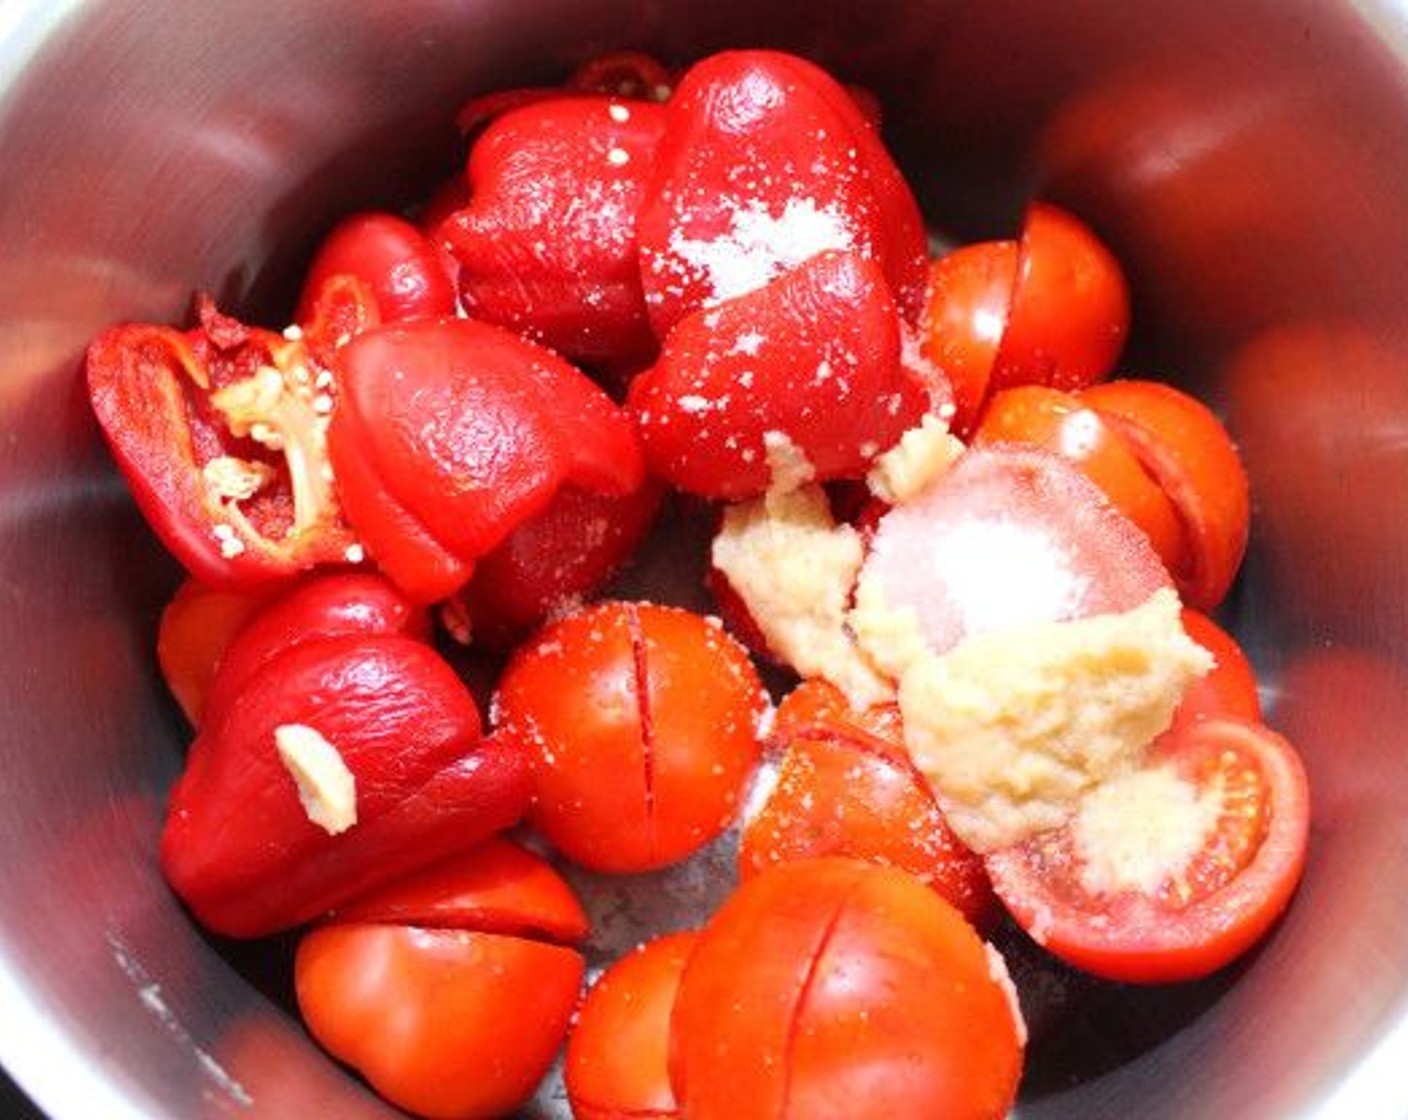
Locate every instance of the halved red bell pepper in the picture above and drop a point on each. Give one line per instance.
(221, 432)
(343, 762)
(451, 433)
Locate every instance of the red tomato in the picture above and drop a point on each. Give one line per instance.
(196, 628)
(1070, 308)
(494, 887)
(833, 988)
(1185, 448)
(1063, 423)
(968, 297)
(448, 1019)
(765, 162)
(451, 433)
(390, 263)
(553, 561)
(1230, 689)
(1210, 905)
(812, 356)
(642, 724)
(617, 1054)
(1008, 535)
(847, 787)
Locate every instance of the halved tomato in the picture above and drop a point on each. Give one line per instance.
(1176, 870)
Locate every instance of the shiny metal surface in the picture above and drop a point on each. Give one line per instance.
(1247, 159)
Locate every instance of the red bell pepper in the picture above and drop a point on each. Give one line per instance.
(452, 433)
(767, 160)
(221, 432)
(547, 243)
(813, 356)
(371, 268)
(411, 782)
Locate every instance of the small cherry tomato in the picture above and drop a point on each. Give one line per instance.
(847, 787)
(446, 1017)
(642, 724)
(967, 300)
(1009, 534)
(1177, 869)
(1186, 449)
(1070, 307)
(617, 1054)
(196, 628)
(1061, 422)
(833, 987)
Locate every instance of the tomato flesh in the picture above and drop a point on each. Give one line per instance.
(1204, 913)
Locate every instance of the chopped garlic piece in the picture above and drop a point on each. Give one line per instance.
(922, 454)
(326, 787)
(892, 638)
(1143, 827)
(1013, 727)
(788, 463)
(794, 567)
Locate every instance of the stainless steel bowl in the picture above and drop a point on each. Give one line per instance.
(1248, 160)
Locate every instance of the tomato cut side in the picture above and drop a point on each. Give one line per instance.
(1192, 915)
(1009, 535)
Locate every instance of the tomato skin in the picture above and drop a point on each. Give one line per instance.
(494, 887)
(1063, 423)
(451, 433)
(1188, 451)
(642, 724)
(196, 628)
(855, 991)
(819, 351)
(748, 133)
(1070, 308)
(617, 1064)
(1245, 876)
(968, 296)
(446, 1023)
(562, 556)
(847, 787)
